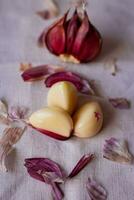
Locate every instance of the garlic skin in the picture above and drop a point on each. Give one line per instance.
(4, 113)
(47, 171)
(82, 84)
(10, 137)
(88, 120)
(86, 159)
(120, 103)
(63, 95)
(53, 122)
(95, 190)
(74, 40)
(51, 10)
(117, 150)
(18, 113)
(37, 73)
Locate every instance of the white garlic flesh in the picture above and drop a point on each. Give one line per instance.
(63, 95)
(53, 122)
(88, 120)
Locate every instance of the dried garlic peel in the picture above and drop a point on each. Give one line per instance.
(10, 137)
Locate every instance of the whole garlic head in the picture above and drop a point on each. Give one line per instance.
(88, 120)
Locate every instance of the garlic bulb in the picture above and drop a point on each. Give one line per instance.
(73, 40)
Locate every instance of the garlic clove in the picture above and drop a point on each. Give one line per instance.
(53, 122)
(63, 95)
(81, 34)
(87, 42)
(90, 47)
(88, 120)
(55, 37)
(72, 29)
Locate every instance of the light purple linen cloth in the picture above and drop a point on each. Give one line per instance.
(19, 30)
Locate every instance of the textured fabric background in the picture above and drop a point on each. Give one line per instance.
(19, 30)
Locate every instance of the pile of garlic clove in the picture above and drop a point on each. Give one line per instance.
(62, 118)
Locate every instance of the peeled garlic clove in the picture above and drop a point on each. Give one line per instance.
(88, 120)
(53, 122)
(63, 95)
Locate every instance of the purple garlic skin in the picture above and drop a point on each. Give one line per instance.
(10, 137)
(86, 159)
(120, 103)
(79, 82)
(117, 150)
(47, 171)
(73, 40)
(95, 190)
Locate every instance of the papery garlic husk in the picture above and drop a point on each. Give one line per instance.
(120, 103)
(18, 113)
(45, 170)
(51, 10)
(117, 150)
(4, 113)
(57, 193)
(111, 65)
(79, 82)
(25, 66)
(87, 158)
(39, 72)
(3, 108)
(95, 190)
(10, 137)
(74, 40)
